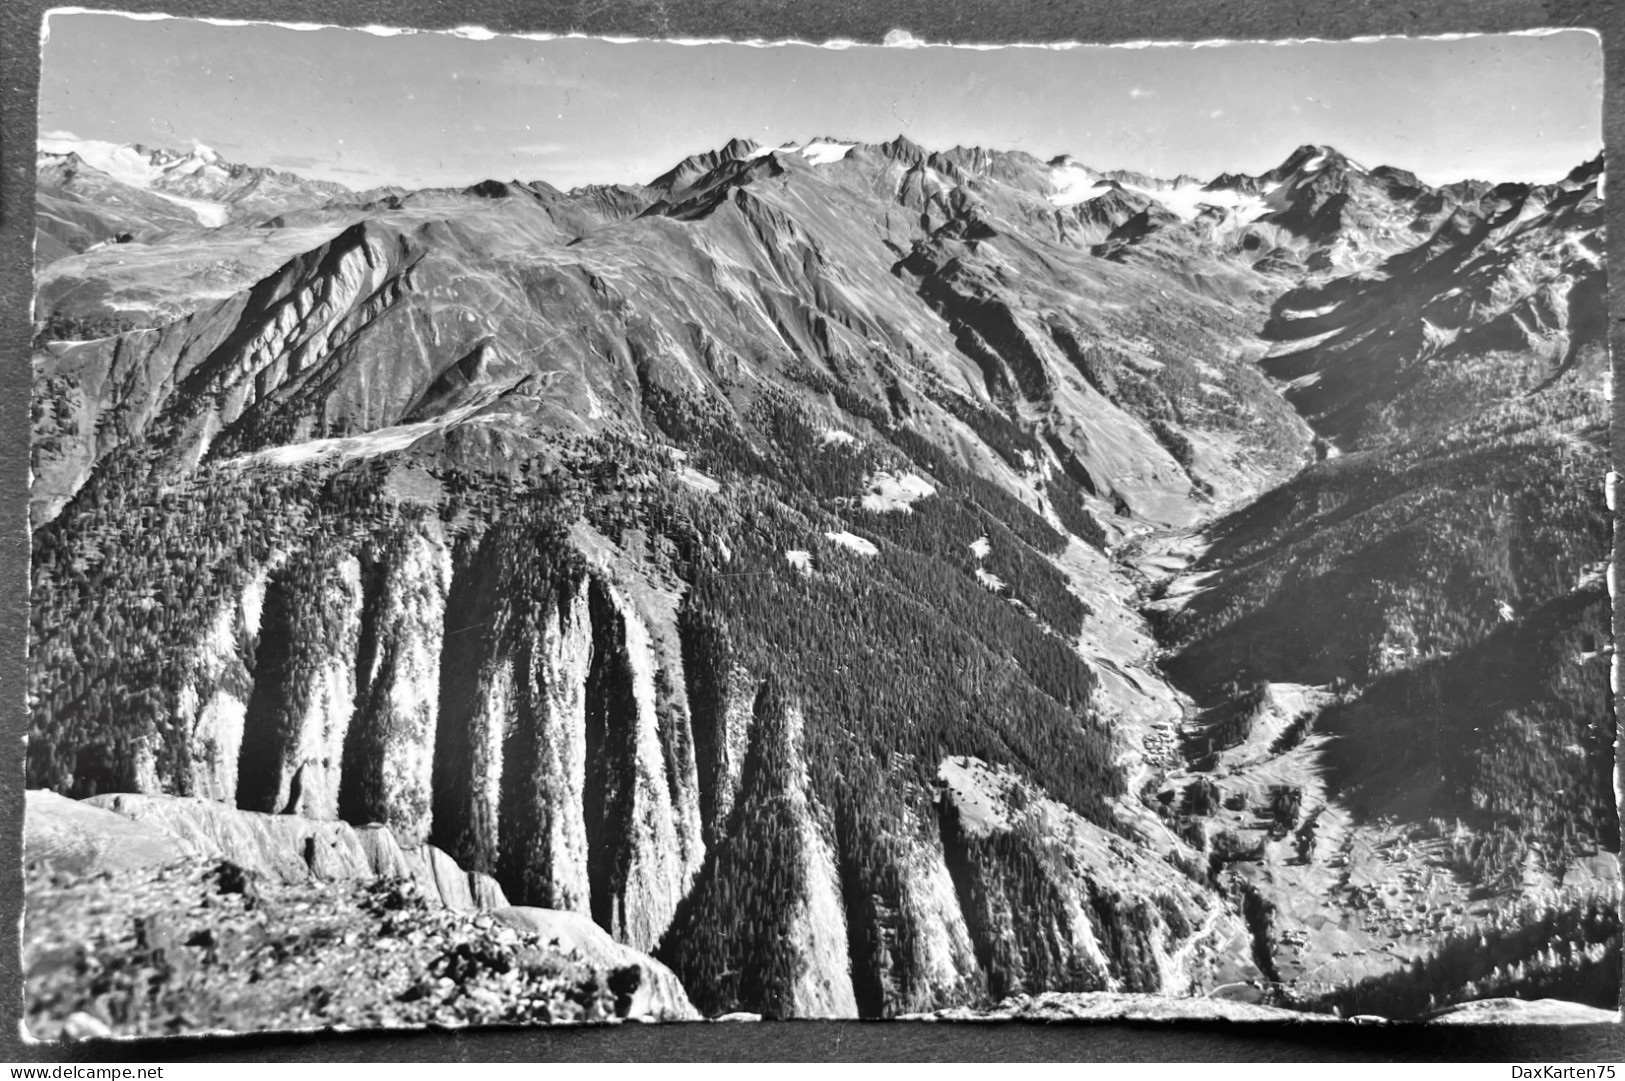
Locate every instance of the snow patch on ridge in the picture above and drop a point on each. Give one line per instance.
(888, 492)
(209, 215)
(821, 152)
(366, 445)
(369, 445)
(854, 542)
(1074, 183)
(975, 787)
(1310, 313)
(699, 481)
(1188, 200)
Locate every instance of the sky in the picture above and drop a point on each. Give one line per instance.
(422, 109)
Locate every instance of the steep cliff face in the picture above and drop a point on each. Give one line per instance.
(642, 847)
(212, 701)
(721, 693)
(389, 746)
(543, 839)
(559, 767)
(304, 689)
(940, 950)
(764, 927)
(822, 986)
(907, 937)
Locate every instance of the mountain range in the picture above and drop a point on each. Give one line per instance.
(870, 580)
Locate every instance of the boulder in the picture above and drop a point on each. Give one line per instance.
(451, 882)
(659, 995)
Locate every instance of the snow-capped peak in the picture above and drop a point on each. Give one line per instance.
(825, 151)
(147, 168)
(1185, 197)
(819, 151)
(1074, 182)
(127, 164)
(133, 164)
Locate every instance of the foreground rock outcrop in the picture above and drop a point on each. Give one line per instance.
(1052, 1006)
(198, 947)
(657, 994)
(1517, 1011)
(1118, 1006)
(123, 831)
(154, 916)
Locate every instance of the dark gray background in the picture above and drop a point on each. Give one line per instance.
(807, 20)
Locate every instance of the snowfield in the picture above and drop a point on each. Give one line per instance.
(1076, 184)
(122, 163)
(820, 152)
(817, 152)
(1188, 200)
(209, 215)
(130, 166)
(1310, 313)
(369, 445)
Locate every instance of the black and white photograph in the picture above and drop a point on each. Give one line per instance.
(559, 529)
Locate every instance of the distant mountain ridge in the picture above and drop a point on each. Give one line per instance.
(93, 192)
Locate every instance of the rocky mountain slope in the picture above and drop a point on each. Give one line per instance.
(1461, 768)
(758, 562)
